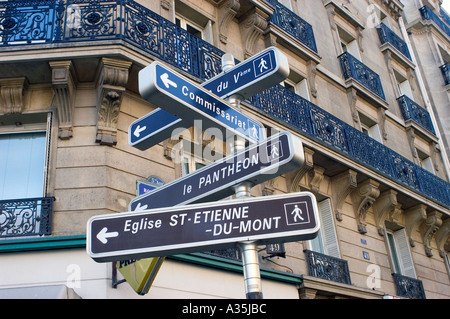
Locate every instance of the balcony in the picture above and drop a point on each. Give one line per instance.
(312, 121)
(408, 287)
(428, 14)
(354, 69)
(412, 111)
(26, 217)
(327, 267)
(298, 28)
(445, 69)
(388, 36)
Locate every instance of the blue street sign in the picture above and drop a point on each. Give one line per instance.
(279, 154)
(185, 99)
(152, 183)
(254, 75)
(158, 123)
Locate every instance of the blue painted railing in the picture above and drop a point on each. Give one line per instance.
(294, 25)
(358, 71)
(413, 111)
(313, 122)
(388, 36)
(428, 14)
(57, 24)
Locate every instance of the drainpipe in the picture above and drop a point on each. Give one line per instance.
(426, 98)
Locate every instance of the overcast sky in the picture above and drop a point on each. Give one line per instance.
(446, 5)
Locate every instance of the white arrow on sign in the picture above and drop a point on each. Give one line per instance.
(167, 82)
(138, 130)
(103, 235)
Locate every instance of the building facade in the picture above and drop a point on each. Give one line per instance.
(367, 94)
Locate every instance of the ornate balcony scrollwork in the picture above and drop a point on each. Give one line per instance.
(327, 267)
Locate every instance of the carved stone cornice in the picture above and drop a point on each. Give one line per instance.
(252, 25)
(11, 95)
(429, 228)
(363, 198)
(442, 236)
(63, 81)
(414, 216)
(385, 208)
(111, 85)
(341, 186)
(316, 178)
(293, 178)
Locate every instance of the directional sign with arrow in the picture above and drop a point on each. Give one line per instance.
(201, 227)
(249, 77)
(185, 99)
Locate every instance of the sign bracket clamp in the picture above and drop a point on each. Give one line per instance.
(115, 282)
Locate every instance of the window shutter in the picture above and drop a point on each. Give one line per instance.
(328, 229)
(404, 252)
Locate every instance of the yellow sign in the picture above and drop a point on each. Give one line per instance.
(141, 273)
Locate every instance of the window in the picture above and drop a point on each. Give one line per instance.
(403, 86)
(23, 160)
(349, 43)
(22, 165)
(370, 128)
(297, 84)
(425, 161)
(189, 26)
(326, 241)
(193, 22)
(399, 253)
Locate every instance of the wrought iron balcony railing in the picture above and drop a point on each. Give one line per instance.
(408, 287)
(388, 36)
(327, 267)
(355, 69)
(428, 14)
(26, 217)
(445, 69)
(413, 111)
(294, 25)
(312, 121)
(59, 23)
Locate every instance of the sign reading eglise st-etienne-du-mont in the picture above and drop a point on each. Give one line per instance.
(201, 227)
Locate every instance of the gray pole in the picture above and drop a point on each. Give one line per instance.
(250, 261)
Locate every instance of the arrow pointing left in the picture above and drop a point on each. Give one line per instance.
(139, 130)
(103, 235)
(167, 82)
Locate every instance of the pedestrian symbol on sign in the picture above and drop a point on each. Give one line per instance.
(263, 65)
(296, 213)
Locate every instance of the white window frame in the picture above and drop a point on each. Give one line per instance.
(348, 43)
(402, 253)
(327, 236)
